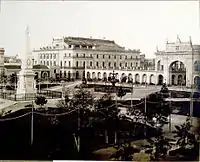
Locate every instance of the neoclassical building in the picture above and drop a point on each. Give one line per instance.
(71, 56)
(178, 64)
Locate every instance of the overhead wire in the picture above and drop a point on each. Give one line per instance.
(66, 113)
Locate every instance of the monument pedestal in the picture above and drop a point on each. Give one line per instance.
(26, 87)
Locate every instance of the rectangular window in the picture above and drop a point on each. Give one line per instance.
(177, 48)
(90, 63)
(51, 56)
(97, 56)
(69, 63)
(76, 54)
(103, 64)
(76, 63)
(69, 54)
(47, 63)
(109, 56)
(120, 57)
(54, 56)
(97, 64)
(54, 63)
(103, 56)
(47, 56)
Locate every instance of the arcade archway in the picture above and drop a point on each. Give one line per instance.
(177, 73)
(160, 80)
(77, 75)
(88, 75)
(197, 81)
(137, 78)
(152, 79)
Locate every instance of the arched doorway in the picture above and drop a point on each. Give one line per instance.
(88, 75)
(77, 75)
(45, 75)
(173, 79)
(83, 74)
(137, 79)
(160, 80)
(123, 78)
(197, 82)
(65, 74)
(144, 78)
(93, 75)
(104, 76)
(69, 75)
(158, 65)
(36, 75)
(180, 80)
(99, 75)
(177, 73)
(152, 79)
(197, 66)
(130, 78)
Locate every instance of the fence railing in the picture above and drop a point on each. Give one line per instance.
(27, 97)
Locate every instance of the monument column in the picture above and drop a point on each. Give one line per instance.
(26, 84)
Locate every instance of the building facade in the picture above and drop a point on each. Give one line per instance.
(178, 64)
(71, 56)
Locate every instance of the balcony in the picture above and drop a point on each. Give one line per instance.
(72, 67)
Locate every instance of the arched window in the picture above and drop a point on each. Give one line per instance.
(76, 63)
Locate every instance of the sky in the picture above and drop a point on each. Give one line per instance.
(133, 24)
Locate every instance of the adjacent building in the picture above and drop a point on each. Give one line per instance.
(68, 57)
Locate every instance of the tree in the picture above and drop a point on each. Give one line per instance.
(124, 152)
(157, 109)
(13, 79)
(186, 138)
(158, 148)
(121, 92)
(41, 100)
(164, 91)
(109, 115)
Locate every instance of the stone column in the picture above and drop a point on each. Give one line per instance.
(166, 70)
